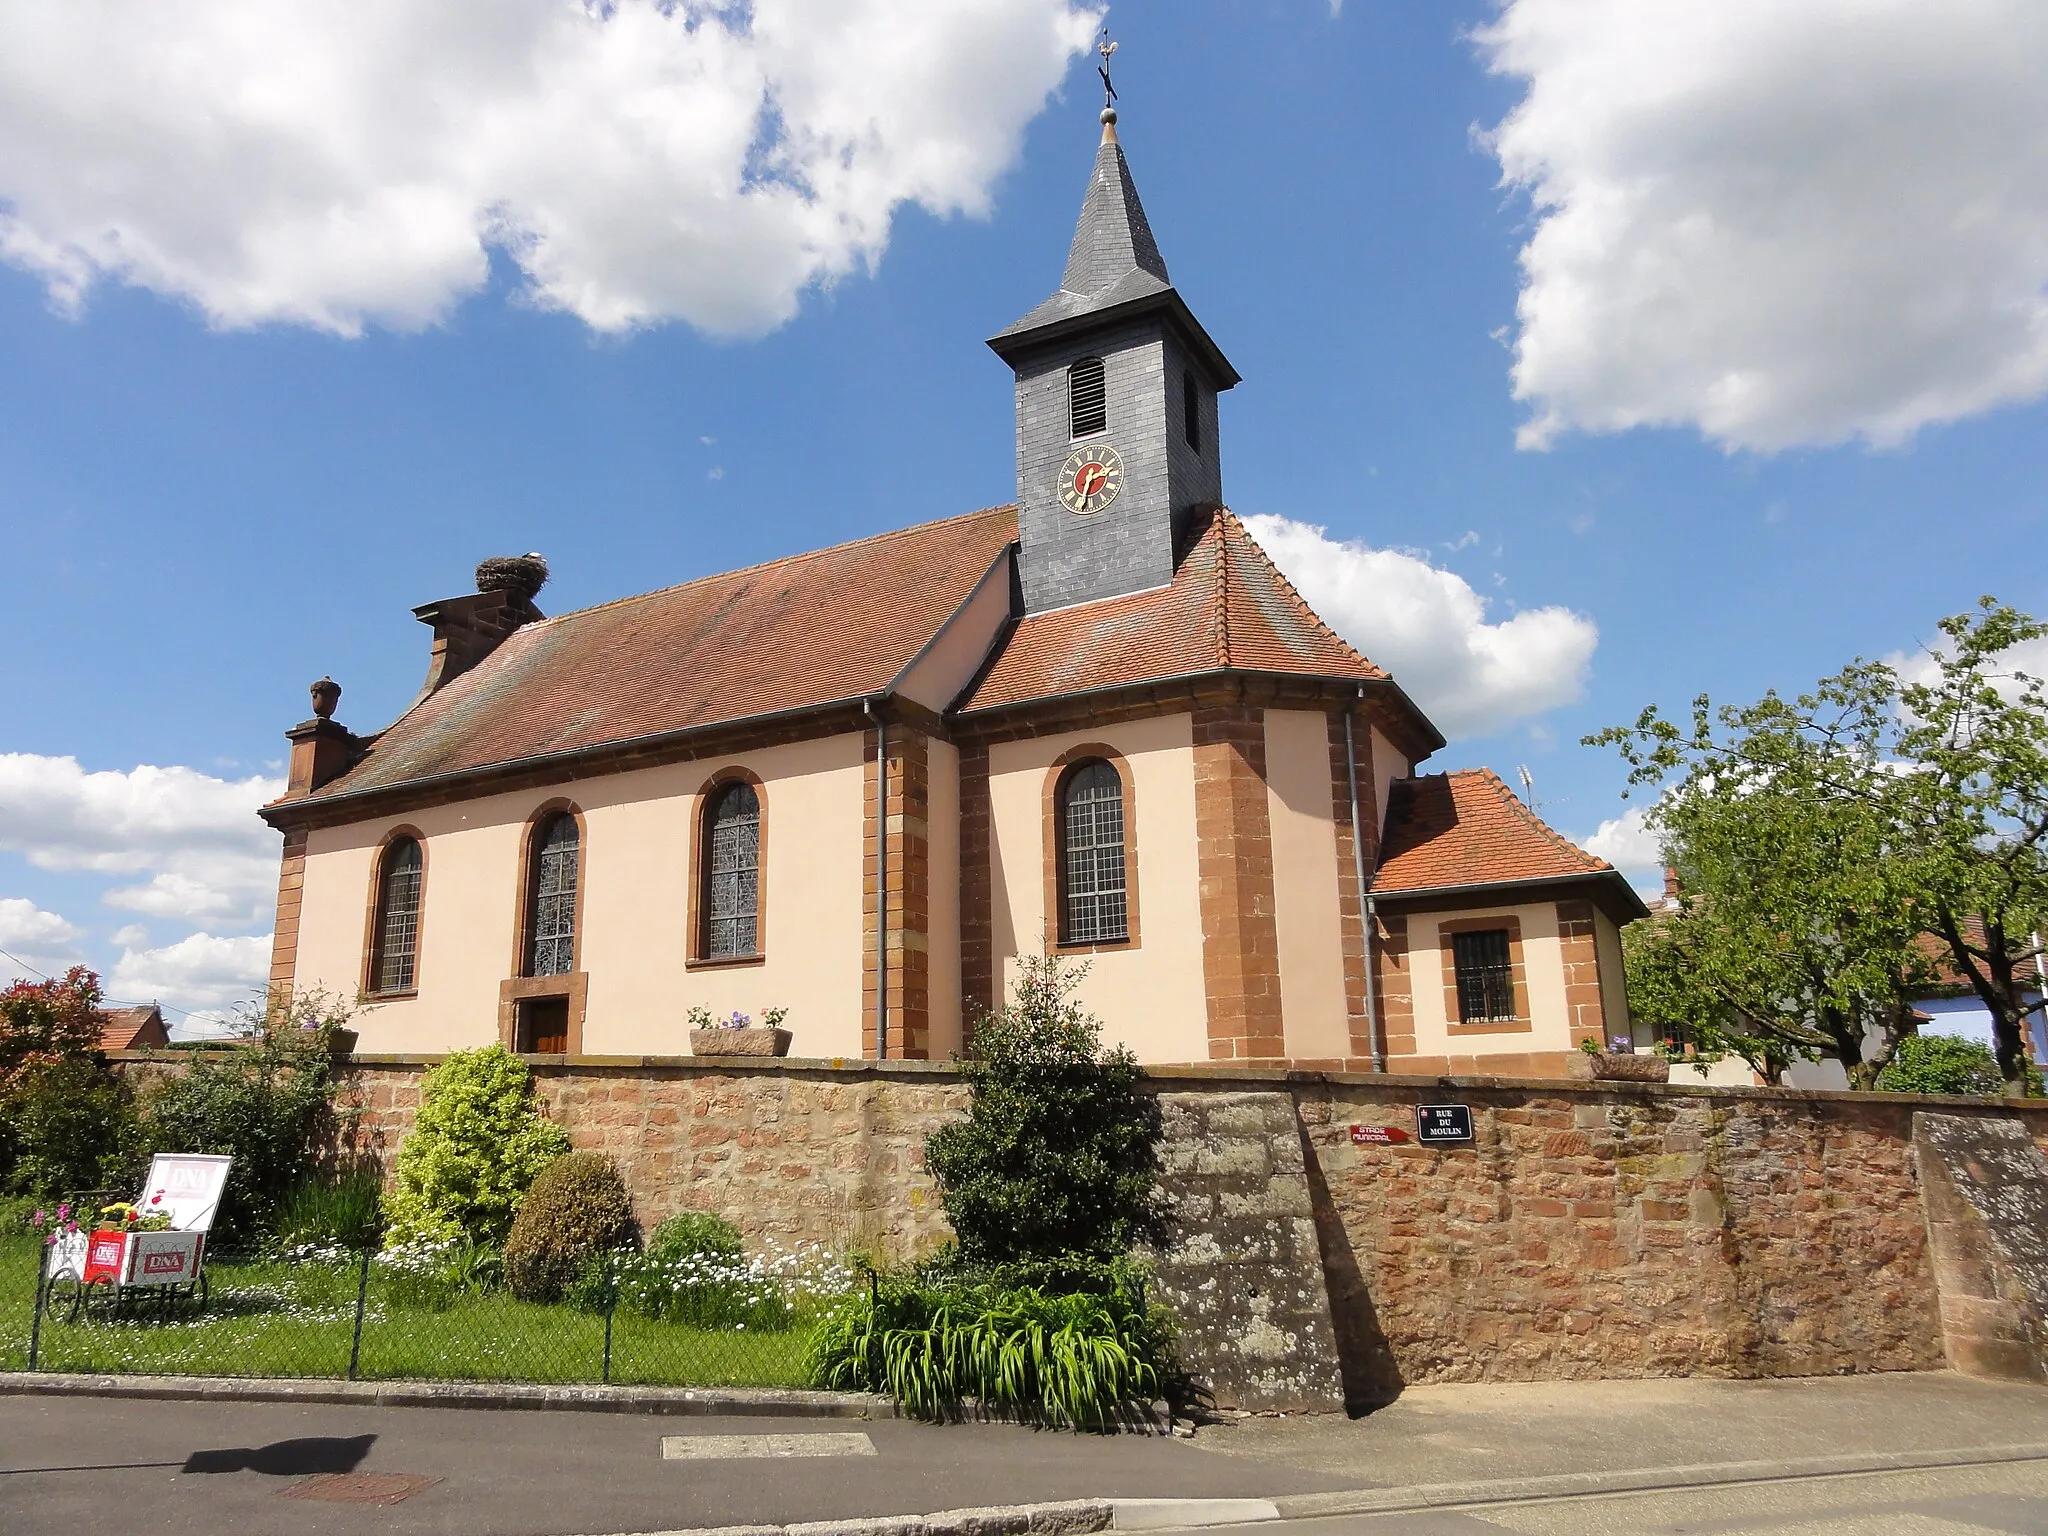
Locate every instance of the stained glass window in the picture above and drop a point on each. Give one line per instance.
(732, 873)
(551, 951)
(398, 917)
(1093, 905)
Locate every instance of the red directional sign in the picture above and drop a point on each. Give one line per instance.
(1379, 1135)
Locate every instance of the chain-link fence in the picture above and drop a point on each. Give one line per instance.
(327, 1313)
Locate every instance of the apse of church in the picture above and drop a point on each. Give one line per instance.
(1098, 723)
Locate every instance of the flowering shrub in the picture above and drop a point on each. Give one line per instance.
(124, 1217)
(432, 1274)
(767, 1293)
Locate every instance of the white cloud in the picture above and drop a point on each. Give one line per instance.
(37, 938)
(207, 856)
(1429, 628)
(1628, 845)
(334, 162)
(1779, 223)
(131, 937)
(204, 973)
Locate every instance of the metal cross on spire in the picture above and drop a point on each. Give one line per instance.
(1105, 47)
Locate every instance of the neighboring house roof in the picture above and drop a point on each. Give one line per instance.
(814, 629)
(131, 1029)
(1468, 828)
(1227, 608)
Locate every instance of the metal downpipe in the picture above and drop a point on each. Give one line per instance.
(1365, 901)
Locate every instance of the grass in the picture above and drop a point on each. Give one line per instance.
(275, 1319)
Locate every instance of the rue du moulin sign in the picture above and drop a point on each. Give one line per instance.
(1436, 1125)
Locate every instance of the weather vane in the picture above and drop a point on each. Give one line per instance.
(1105, 47)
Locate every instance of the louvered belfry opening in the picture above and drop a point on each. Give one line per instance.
(1087, 398)
(1093, 905)
(552, 948)
(398, 917)
(732, 874)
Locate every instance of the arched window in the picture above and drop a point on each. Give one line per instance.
(394, 966)
(1087, 398)
(1093, 906)
(551, 897)
(732, 872)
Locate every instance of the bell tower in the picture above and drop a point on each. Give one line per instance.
(1116, 404)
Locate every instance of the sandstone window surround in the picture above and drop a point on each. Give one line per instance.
(1458, 1016)
(391, 939)
(541, 1005)
(1091, 852)
(728, 888)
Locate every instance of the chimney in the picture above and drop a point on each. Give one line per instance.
(321, 750)
(469, 628)
(1670, 883)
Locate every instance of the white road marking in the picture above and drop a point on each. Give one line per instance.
(722, 1447)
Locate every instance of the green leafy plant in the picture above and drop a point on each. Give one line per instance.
(71, 1125)
(478, 1143)
(1082, 1360)
(1059, 1151)
(341, 1212)
(576, 1209)
(691, 1233)
(265, 1101)
(1942, 1064)
(434, 1275)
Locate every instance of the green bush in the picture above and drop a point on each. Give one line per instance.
(339, 1212)
(577, 1208)
(1059, 1152)
(477, 1144)
(1082, 1360)
(433, 1275)
(70, 1125)
(692, 1233)
(1942, 1064)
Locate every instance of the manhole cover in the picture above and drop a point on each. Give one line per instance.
(358, 1487)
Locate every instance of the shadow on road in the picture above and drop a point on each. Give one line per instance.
(287, 1458)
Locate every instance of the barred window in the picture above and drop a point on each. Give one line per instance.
(396, 963)
(551, 904)
(732, 873)
(1093, 905)
(1486, 975)
(1087, 398)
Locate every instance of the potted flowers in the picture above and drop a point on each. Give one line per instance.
(737, 1034)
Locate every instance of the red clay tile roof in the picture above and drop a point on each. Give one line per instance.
(1468, 828)
(128, 1029)
(809, 630)
(1227, 606)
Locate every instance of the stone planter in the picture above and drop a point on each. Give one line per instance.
(739, 1042)
(1620, 1067)
(342, 1042)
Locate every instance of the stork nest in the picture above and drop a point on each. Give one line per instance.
(523, 574)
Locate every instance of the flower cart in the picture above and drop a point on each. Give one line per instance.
(151, 1250)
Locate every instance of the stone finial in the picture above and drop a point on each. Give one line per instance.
(522, 574)
(326, 694)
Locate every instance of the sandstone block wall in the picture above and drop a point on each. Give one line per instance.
(1591, 1229)
(1985, 1188)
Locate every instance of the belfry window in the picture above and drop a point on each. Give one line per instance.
(1087, 398)
(395, 965)
(732, 873)
(551, 897)
(1485, 974)
(1191, 411)
(1093, 904)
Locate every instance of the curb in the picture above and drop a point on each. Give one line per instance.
(679, 1402)
(1072, 1517)
(1567, 1485)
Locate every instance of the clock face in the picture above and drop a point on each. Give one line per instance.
(1090, 479)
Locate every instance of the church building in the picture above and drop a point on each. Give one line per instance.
(861, 783)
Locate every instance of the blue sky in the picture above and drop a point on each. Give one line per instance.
(210, 494)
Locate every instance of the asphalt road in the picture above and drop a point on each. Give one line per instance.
(86, 1466)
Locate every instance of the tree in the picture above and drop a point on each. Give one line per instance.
(1975, 812)
(1058, 1154)
(45, 1021)
(1795, 936)
(65, 1120)
(1668, 991)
